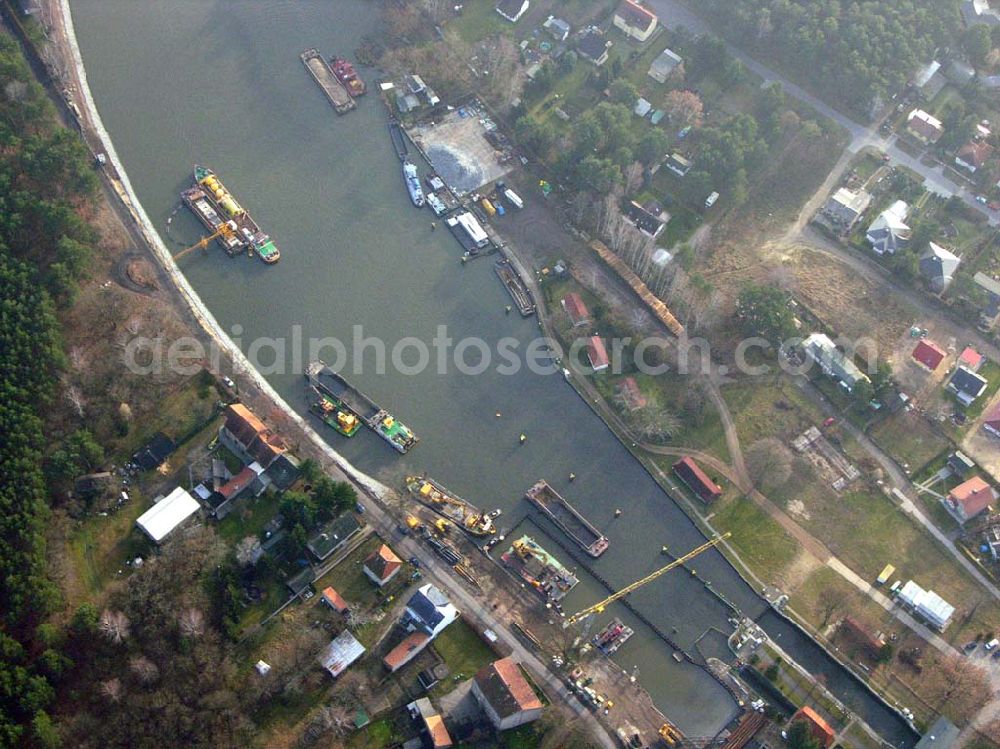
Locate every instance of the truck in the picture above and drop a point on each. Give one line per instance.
(886, 573)
(488, 207)
(513, 198)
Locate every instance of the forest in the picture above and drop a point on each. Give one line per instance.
(860, 51)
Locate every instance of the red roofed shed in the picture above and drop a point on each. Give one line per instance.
(819, 728)
(697, 480)
(576, 309)
(597, 354)
(929, 354)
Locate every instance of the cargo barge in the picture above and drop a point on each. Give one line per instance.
(384, 424)
(322, 73)
(468, 231)
(212, 203)
(515, 285)
(539, 569)
(567, 518)
(348, 76)
(335, 414)
(612, 637)
(449, 505)
(398, 140)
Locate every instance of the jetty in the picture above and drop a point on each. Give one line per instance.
(554, 506)
(322, 73)
(516, 287)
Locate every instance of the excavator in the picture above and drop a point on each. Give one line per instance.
(226, 229)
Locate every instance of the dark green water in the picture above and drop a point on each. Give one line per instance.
(219, 82)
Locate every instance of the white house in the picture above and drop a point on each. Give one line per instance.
(512, 10)
(635, 21)
(889, 232)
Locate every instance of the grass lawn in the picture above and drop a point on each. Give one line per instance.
(760, 541)
(462, 649)
(349, 579)
(250, 519)
(770, 408)
(909, 439)
(100, 545)
(376, 735)
(479, 19)
(177, 414)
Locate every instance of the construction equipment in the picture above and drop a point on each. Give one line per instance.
(598, 607)
(226, 229)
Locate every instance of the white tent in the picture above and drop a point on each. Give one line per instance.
(164, 516)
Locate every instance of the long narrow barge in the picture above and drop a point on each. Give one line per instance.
(398, 140)
(516, 287)
(554, 506)
(213, 204)
(322, 73)
(384, 424)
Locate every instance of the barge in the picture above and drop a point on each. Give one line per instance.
(379, 420)
(412, 180)
(516, 287)
(398, 140)
(323, 74)
(612, 637)
(212, 203)
(348, 76)
(335, 414)
(539, 569)
(567, 518)
(468, 231)
(449, 505)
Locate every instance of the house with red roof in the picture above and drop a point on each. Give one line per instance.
(973, 155)
(576, 310)
(406, 651)
(505, 695)
(928, 354)
(434, 725)
(335, 601)
(597, 353)
(382, 565)
(697, 480)
(818, 727)
(970, 498)
(971, 359)
(635, 21)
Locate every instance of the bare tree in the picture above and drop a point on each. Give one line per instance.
(112, 689)
(114, 625)
(655, 424)
(191, 623)
(956, 687)
(769, 462)
(246, 550)
(144, 669)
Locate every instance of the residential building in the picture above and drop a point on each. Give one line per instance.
(406, 651)
(678, 164)
(335, 601)
(427, 614)
(631, 395)
(924, 127)
(167, 514)
(971, 359)
(966, 385)
(937, 266)
(382, 565)
(249, 482)
(973, 155)
(644, 220)
(697, 480)
(576, 310)
(283, 471)
(929, 80)
(558, 29)
(889, 232)
(505, 695)
(970, 498)
(667, 64)
(333, 535)
(244, 434)
(979, 11)
(941, 735)
(596, 353)
(818, 727)
(635, 21)
(820, 350)
(845, 207)
(342, 651)
(928, 354)
(433, 723)
(927, 605)
(154, 452)
(642, 107)
(992, 422)
(512, 10)
(594, 47)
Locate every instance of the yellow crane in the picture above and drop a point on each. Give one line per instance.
(226, 229)
(601, 605)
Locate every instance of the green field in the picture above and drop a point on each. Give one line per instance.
(462, 650)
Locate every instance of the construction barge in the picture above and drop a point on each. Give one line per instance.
(612, 637)
(334, 414)
(539, 569)
(516, 287)
(448, 505)
(328, 383)
(325, 78)
(212, 203)
(567, 518)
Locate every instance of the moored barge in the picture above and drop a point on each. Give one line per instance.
(539, 569)
(335, 414)
(516, 287)
(348, 76)
(379, 420)
(323, 74)
(612, 637)
(466, 516)
(567, 518)
(212, 203)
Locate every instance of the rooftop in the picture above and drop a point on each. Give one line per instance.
(597, 353)
(635, 15)
(164, 516)
(383, 562)
(929, 354)
(504, 686)
(407, 649)
(974, 495)
(341, 653)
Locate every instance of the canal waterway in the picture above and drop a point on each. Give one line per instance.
(219, 82)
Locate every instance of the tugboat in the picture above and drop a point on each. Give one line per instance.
(347, 75)
(413, 184)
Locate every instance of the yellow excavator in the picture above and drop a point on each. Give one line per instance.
(226, 229)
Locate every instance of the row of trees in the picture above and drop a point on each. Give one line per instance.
(45, 178)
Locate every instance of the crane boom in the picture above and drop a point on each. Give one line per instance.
(601, 605)
(226, 229)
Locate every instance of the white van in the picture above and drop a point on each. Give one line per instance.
(710, 200)
(992, 644)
